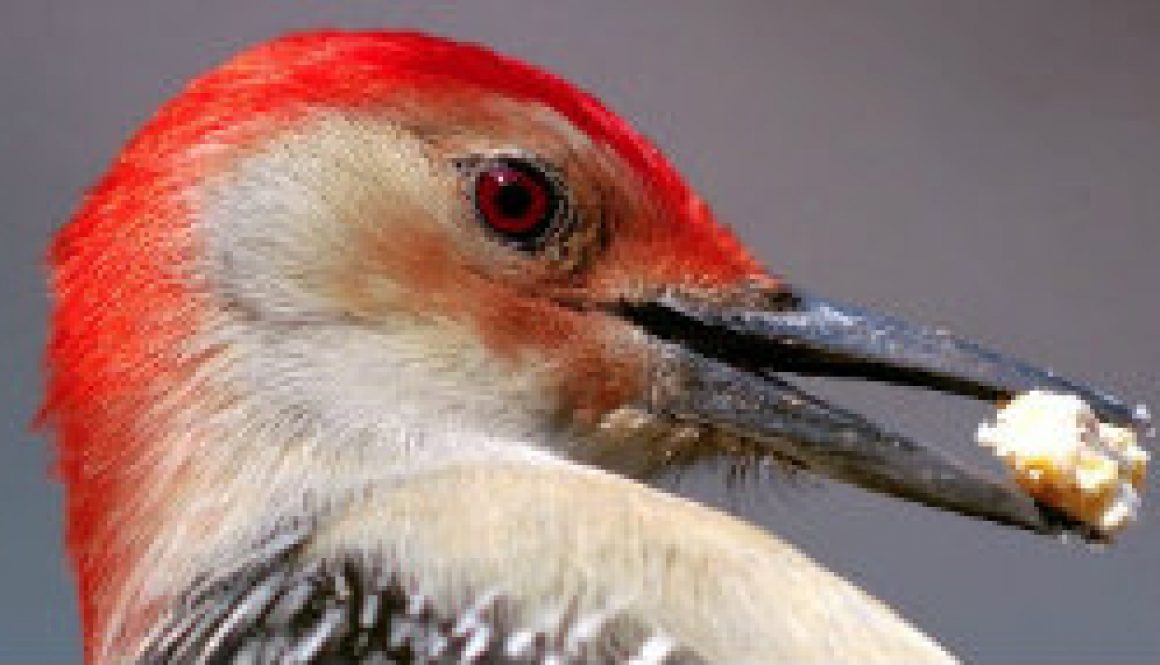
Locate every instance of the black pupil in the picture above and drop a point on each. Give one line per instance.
(513, 200)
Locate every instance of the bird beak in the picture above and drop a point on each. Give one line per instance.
(721, 360)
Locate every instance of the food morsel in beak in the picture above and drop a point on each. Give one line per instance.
(1063, 456)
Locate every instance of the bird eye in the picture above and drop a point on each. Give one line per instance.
(518, 199)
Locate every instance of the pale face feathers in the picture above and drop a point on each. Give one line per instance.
(355, 281)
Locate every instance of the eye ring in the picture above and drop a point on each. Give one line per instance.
(521, 200)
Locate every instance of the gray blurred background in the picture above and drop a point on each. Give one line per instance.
(991, 166)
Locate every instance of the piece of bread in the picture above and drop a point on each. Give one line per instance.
(1062, 455)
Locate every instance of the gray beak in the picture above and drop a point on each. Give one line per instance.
(722, 361)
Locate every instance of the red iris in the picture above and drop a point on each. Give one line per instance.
(514, 199)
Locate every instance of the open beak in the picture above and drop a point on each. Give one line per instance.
(722, 355)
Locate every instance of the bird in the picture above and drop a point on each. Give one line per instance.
(369, 346)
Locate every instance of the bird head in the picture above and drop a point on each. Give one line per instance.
(341, 256)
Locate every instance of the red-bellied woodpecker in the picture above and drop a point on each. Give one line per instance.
(363, 349)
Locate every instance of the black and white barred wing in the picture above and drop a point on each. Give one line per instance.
(277, 608)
